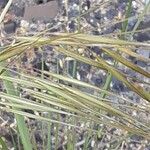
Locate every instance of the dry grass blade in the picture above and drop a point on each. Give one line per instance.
(137, 89)
(27, 80)
(133, 54)
(67, 39)
(5, 10)
(84, 99)
(104, 65)
(129, 64)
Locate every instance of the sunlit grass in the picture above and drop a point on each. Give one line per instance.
(54, 97)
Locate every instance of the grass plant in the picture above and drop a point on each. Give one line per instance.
(57, 99)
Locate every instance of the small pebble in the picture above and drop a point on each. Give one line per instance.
(88, 4)
(92, 143)
(10, 27)
(24, 24)
(97, 15)
(134, 4)
(80, 50)
(72, 26)
(39, 2)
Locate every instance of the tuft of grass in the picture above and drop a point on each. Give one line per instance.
(74, 104)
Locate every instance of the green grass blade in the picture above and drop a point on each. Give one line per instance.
(23, 130)
(3, 144)
(127, 15)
